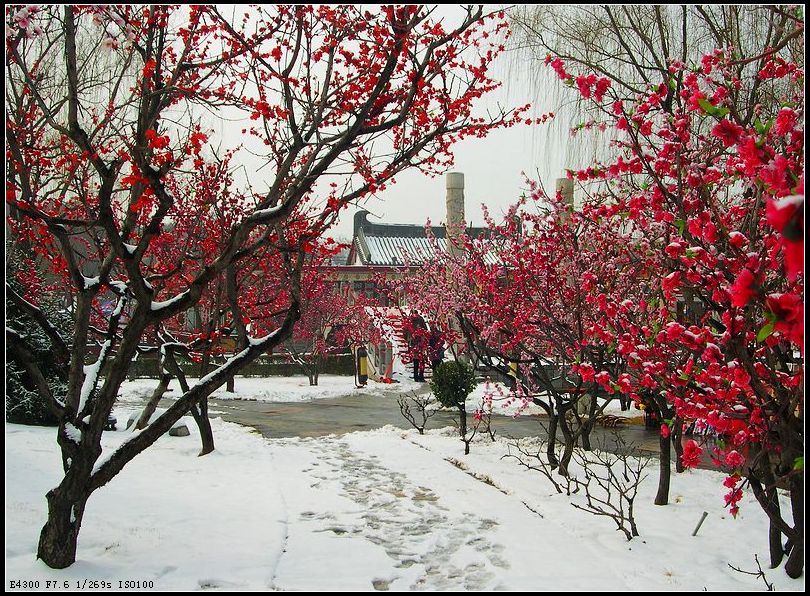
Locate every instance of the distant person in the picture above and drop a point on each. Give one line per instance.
(417, 348)
(436, 348)
(419, 369)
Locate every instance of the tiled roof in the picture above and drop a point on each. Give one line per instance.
(392, 250)
(397, 244)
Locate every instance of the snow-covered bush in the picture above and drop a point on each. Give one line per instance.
(24, 403)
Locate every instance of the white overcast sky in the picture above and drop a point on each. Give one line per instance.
(495, 167)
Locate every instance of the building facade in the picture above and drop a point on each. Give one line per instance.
(391, 249)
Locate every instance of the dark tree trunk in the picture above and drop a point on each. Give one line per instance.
(586, 426)
(152, 404)
(677, 436)
(231, 293)
(200, 413)
(462, 428)
(565, 459)
(771, 505)
(551, 412)
(551, 452)
(569, 441)
(795, 563)
(585, 429)
(315, 369)
(664, 470)
(774, 533)
(66, 503)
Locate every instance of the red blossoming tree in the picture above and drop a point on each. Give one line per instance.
(716, 193)
(108, 137)
(703, 109)
(329, 323)
(529, 298)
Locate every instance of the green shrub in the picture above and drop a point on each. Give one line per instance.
(452, 382)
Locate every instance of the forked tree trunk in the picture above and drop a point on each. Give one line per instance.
(67, 502)
(772, 508)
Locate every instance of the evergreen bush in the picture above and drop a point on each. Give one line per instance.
(24, 404)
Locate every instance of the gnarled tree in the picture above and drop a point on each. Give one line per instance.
(108, 141)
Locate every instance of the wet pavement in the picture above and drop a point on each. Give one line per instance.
(358, 412)
(352, 413)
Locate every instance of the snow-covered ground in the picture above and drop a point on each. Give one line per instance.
(270, 389)
(507, 404)
(386, 509)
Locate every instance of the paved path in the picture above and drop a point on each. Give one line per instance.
(321, 417)
(367, 412)
(358, 412)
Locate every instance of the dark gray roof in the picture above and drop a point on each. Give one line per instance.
(397, 244)
(392, 250)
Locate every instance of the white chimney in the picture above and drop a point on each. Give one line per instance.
(455, 224)
(565, 186)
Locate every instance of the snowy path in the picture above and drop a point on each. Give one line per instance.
(379, 526)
